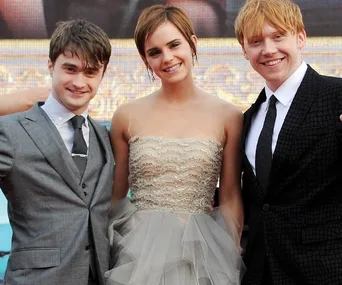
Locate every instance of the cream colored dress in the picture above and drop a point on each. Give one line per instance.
(167, 233)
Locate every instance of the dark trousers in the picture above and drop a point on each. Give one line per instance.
(258, 269)
(262, 278)
(266, 276)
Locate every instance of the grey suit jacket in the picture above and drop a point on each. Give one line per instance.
(53, 223)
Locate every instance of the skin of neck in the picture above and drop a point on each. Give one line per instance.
(180, 92)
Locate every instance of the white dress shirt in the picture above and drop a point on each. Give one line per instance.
(284, 94)
(60, 116)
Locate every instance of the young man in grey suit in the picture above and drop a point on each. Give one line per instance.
(292, 154)
(56, 169)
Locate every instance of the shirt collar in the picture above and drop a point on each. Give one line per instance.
(58, 113)
(286, 92)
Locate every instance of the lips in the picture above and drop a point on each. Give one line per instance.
(273, 62)
(172, 68)
(77, 93)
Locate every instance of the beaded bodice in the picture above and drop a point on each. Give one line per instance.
(178, 175)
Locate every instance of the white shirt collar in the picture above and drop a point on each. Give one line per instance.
(58, 113)
(286, 92)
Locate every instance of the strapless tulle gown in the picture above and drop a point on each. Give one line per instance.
(167, 233)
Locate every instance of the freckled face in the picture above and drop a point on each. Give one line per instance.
(274, 55)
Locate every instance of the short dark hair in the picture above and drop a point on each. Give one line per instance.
(151, 18)
(82, 38)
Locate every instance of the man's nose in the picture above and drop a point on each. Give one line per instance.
(269, 47)
(79, 80)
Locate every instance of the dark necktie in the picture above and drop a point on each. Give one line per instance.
(263, 156)
(79, 149)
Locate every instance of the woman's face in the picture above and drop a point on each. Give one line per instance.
(168, 54)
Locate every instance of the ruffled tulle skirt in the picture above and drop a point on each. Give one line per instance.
(150, 247)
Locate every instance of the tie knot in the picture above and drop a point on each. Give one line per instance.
(273, 101)
(77, 121)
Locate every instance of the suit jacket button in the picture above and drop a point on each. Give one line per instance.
(87, 247)
(265, 207)
(84, 185)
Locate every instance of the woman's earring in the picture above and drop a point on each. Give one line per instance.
(152, 75)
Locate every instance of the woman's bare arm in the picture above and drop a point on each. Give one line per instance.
(22, 100)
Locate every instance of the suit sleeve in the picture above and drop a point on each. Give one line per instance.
(338, 106)
(6, 150)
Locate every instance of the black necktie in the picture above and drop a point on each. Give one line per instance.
(263, 156)
(79, 149)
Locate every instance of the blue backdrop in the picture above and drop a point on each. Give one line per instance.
(5, 234)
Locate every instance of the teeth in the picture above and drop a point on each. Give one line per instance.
(172, 68)
(76, 92)
(274, 62)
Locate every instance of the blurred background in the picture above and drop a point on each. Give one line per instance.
(25, 27)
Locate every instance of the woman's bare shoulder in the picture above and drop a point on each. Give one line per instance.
(133, 106)
(223, 107)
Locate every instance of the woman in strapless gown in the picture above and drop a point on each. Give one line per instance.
(171, 147)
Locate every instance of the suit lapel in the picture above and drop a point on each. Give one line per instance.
(308, 90)
(47, 139)
(248, 116)
(102, 137)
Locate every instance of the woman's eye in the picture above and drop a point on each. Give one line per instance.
(153, 53)
(175, 44)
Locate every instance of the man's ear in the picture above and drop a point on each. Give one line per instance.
(301, 39)
(244, 53)
(50, 66)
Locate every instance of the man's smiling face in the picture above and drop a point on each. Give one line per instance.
(275, 55)
(74, 83)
